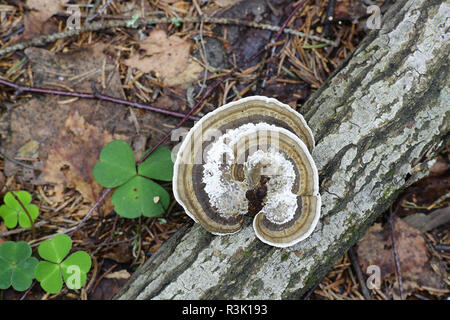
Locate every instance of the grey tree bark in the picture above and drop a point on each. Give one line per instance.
(378, 121)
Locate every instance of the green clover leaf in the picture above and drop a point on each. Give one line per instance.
(73, 269)
(158, 165)
(140, 196)
(12, 211)
(116, 165)
(16, 265)
(136, 193)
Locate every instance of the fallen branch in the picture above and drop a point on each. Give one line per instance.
(378, 121)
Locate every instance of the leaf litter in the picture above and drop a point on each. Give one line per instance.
(126, 63)
(168, 57)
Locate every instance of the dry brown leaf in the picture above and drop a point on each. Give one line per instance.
(74, 154)
(226, 3)
(183, 6)
(376, 249)
(120, 254)
(2, 180)
(122, 274)
(68, 135)
(71, 134)
(168, 57)
(46, 8)
(107, 289)
(35, 21)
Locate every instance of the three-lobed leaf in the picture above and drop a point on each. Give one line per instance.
(13, 212)
(136, 194)
(73, 270)
(16, 265)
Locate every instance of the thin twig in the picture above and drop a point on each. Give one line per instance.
(313, 288)
(26, 212)
(359, 274)
(94, 95)
(396, 258)
(96, 26)
(164, 139)
(92, 9)
(442, 247)
(99, 12)
(102, 276)
(280, 31)
(5, 156)
(28, 291)
(96, 204)
(291, 15)
(328, 18)
(20, 230)
(113, 228)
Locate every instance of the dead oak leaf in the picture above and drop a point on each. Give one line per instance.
(376, 249)
(74, 154)
(167, 56)
(46, 8)
(35, 21)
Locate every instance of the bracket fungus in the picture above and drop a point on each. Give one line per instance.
(250, 157)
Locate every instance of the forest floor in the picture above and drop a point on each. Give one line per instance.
(49, 142)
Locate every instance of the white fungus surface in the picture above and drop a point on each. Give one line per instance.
(228, 195)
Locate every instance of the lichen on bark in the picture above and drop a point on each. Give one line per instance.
(377, 121)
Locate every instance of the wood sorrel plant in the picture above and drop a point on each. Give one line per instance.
(136, 193)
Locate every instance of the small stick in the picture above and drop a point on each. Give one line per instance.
(280, 31)
(94, 95)
(329, 18)
(99, 12)
(113, 228)
(28, 291)
(396, 258)
(284, 25)
(359, 274)
(5, 156)
(164, 139)
(102, 276)
(97, 203)
(20, 230)
(26, 212)
(313, 288)
(442, 247)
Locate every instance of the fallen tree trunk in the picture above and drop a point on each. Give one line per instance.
(377, 122)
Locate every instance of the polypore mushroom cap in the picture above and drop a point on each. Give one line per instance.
(250, 156)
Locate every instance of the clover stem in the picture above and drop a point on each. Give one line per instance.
(26, 212)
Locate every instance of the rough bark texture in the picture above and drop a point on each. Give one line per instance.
(377, 122)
